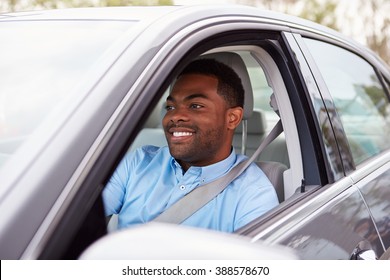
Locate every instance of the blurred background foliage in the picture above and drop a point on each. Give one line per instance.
(17, 5)
(367, 21)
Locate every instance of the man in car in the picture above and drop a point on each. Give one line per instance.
(203, 109)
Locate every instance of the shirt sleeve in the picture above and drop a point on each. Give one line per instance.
(114, 192)
(256, 198)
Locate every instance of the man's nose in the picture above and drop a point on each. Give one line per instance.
(179, 114)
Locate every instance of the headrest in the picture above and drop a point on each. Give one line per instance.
(256, 123)
(237, 64)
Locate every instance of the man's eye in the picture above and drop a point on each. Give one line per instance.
(169, 108)
(196, 106)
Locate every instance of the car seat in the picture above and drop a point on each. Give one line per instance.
(253, 123)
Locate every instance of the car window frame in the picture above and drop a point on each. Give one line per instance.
(117, 144)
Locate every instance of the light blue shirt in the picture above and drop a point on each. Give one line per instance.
(149, 180)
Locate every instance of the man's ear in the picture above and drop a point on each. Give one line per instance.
(234, 116)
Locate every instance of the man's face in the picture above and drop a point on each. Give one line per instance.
(196, 123)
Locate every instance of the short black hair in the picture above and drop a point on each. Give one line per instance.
(229, 83)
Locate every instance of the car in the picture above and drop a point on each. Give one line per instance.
(82, 87)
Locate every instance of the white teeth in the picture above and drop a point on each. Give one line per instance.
(180, 134)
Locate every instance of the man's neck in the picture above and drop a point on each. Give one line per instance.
(186, 165)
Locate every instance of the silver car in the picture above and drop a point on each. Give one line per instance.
(79, 88)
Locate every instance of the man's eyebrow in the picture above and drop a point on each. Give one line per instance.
(196, 95)
(189, 97)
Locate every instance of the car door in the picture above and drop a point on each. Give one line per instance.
(325, 222)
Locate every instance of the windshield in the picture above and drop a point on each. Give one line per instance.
(41, 61)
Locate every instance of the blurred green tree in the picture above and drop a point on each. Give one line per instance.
(377, 26)
(368, 21)
(321, 12)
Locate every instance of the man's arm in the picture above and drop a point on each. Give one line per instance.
(114, 192)
(257, 197)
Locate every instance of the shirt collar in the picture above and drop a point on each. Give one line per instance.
(210, 172)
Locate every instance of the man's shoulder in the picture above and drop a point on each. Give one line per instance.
(253, 172)
(252, 167)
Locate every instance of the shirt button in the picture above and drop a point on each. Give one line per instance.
(182, 187)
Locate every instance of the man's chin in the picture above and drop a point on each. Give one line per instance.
(181, 154)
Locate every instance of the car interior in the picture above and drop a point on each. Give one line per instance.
(259, 117)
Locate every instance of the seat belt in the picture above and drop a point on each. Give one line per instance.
(200, 196)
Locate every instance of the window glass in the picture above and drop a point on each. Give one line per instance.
(261, 90)
(264, 117)
(41, 62)
(387, 85)
(360, 100)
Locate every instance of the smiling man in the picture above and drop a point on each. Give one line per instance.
(202, 111)
(198, 118)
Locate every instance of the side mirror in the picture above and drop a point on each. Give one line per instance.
(155, 241)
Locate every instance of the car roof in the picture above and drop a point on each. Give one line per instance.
(147, 16)
(189, 12)
(140, 13)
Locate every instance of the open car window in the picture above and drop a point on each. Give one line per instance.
(259, 66)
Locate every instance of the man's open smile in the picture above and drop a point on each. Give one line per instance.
(180, 133)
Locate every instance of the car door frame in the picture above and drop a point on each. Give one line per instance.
(371, 170)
